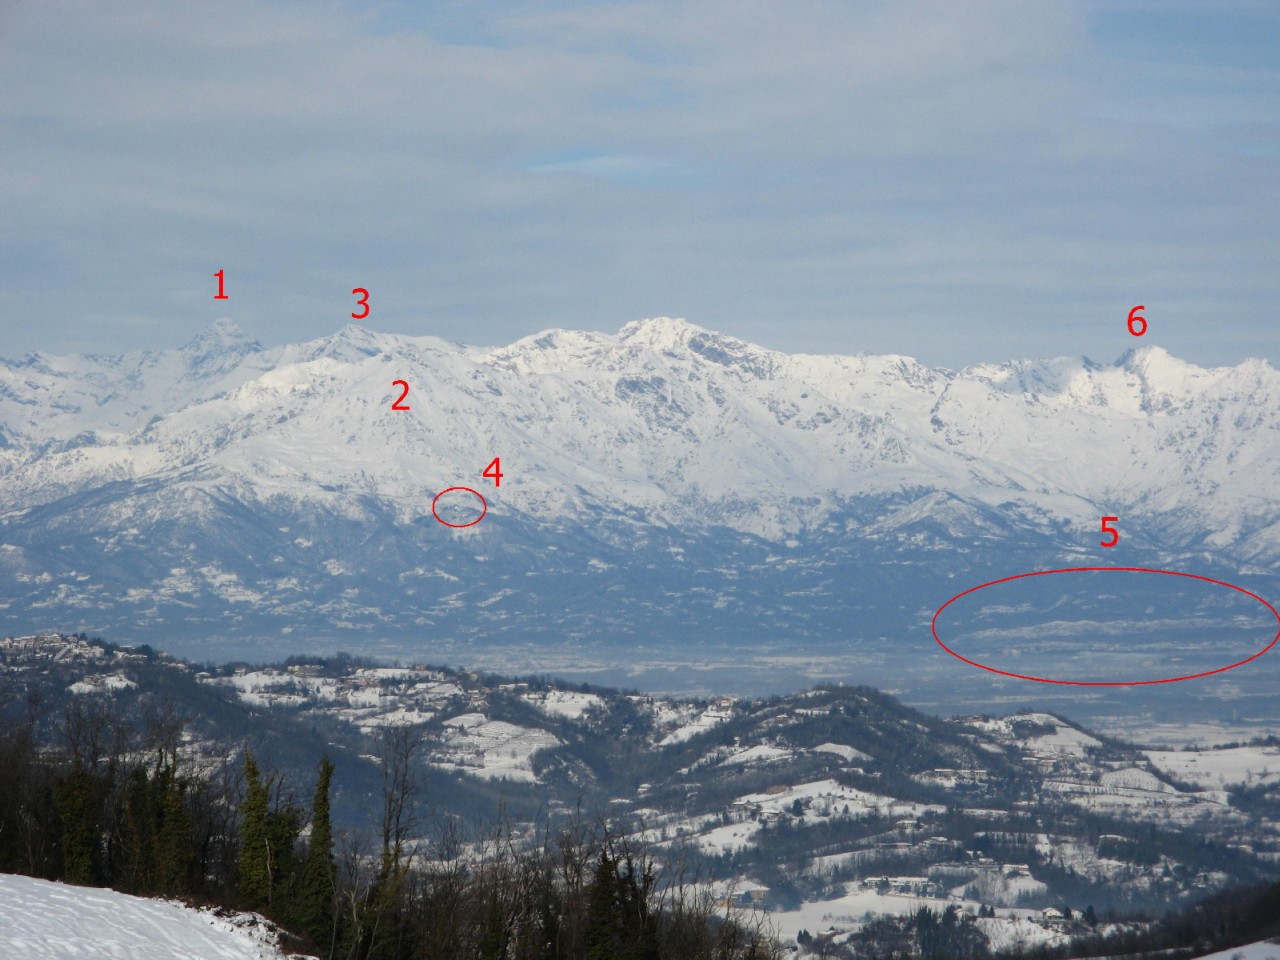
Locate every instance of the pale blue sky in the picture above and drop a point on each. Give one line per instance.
(954, 181)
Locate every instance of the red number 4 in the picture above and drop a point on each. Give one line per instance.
(1115, 534)
(494, 471)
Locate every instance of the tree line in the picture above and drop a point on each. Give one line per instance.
(120, 804)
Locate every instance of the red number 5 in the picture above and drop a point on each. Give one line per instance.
(1115, 534)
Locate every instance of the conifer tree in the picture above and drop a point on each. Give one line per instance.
(604, 911)
(255, 853)
(316, 896)
(74, 800)
(173, 853)
(134, 855)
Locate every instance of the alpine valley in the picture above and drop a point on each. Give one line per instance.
(678, 510)
(823, 809)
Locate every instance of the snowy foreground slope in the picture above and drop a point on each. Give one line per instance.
(41, 920)
(1262, 950)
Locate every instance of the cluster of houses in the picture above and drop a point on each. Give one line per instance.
(50, 647)
(904, 886)
(61, 648)
(952, 777)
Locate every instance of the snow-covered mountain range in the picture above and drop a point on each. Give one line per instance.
(665, 420)
(227, 488)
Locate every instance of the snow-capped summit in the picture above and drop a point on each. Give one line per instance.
(665, 416)
(665, 424)
(222, 335)
(659, 333)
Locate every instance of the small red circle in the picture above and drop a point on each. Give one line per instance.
(1107, 683)
(458, 526)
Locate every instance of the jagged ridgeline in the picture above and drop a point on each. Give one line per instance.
(666, 491)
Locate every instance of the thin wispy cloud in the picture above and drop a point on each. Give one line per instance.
(955, 181)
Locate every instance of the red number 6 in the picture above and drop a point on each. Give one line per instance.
(1134, 321)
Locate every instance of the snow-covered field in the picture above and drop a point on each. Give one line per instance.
(1262, 950)
(826, 798)
(845, 752)
(1064, 741)
(102, 684)
(853, 909)
(564, 703)
(41, 920)
(1203, 734)
(493, 748)
(1222, 767)
(706, 720)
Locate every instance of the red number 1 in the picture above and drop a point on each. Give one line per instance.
(494, 471)
(222, 292)
(1115, 534)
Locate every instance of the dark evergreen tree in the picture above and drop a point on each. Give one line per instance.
(173, 851)
(267, 863)
(639, 928)
(133, 847)
(604, 912)
(255, 850)
(316, 895)
(74, 799)
(283, 825)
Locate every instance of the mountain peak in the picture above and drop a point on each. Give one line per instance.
(220, 336)
(660, 333)
(1156, 366)
(355, 333)
(352, 344)
(1142, 356)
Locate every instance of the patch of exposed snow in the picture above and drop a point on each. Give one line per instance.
(42, 920)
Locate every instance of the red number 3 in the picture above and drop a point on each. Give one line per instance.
(363, 301)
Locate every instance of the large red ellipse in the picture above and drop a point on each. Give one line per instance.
(1104, 683)
(458, 526)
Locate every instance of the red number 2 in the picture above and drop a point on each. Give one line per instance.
(1115, 534)
(363, 301)
(395, 404)
(494, 471)
(222, 288)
